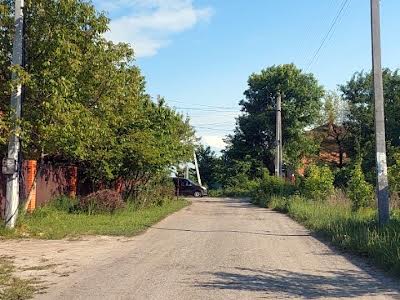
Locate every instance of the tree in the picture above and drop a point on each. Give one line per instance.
(360, 142)
(255, 131)
(333, 118)
(360, 192)
(209, 166)
(85, 100)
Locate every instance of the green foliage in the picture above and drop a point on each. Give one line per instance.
(318, 183)
(355, 232)
(342, 177)
(158, 190)
(244, 188)
(64, 203)
(209, 166)
(271, 186)
(255, 131)
(359, 191)
(360, 141)
(394, 174)
(334, 110)
(85, 100)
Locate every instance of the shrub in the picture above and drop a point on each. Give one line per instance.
(155, 192)
(359, 191)
(216, 193)
(104, 201)
(342, 177)
(243, 189)
(63, 203)
(318, 183)
(271, 186)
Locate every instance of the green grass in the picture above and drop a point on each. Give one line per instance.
(52, 223)
(11, 287)
(356, 232)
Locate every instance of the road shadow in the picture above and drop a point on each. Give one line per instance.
(283, 283)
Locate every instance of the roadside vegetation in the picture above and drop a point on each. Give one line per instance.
(105, 212)
(356, 232)
(58, 221)
(12, 287)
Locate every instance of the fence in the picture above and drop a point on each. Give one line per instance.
(40, 184)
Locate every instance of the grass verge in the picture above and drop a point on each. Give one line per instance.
(52, 223)
(356, 232)
(11, 287)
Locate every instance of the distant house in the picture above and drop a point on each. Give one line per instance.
(332, 151)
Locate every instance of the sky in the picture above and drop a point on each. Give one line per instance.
(198, 54)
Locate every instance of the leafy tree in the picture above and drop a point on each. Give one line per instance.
(209, 166)
(358, 92)
(255, 131)
(334, 114)
(334, 109)
(359, 191)
(85, 100)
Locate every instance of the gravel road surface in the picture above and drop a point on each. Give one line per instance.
(213, 249)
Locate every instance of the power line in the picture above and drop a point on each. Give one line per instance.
(328, 34)
(214, 129)
(215, 124)
(202, 105)
(206, 109)
(310, 35)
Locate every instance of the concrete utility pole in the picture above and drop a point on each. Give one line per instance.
(382, 187)
(11, 163)
(197, 168)
(278, 154)
(187, 171)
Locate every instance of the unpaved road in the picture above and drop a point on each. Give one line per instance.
(214, 249)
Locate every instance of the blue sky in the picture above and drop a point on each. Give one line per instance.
(198, 54)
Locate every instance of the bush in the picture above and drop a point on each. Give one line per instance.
(244, 189)
(63, 203)
(271, 186)
(342, 178)
(158, 190)
(359, 191)
(318, 183)
(216, 193)
(104, 201)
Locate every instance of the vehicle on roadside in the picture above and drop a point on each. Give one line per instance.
(186, 187)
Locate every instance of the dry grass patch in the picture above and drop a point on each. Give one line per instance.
(12, 287)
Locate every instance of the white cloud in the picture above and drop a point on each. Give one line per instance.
(214, 141)
(149, 24)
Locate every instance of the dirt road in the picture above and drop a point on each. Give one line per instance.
(214, 249)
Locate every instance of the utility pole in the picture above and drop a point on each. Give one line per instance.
(11, 163)
(197, 168)
(278, 153)
(382, 187)
(187, 171)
